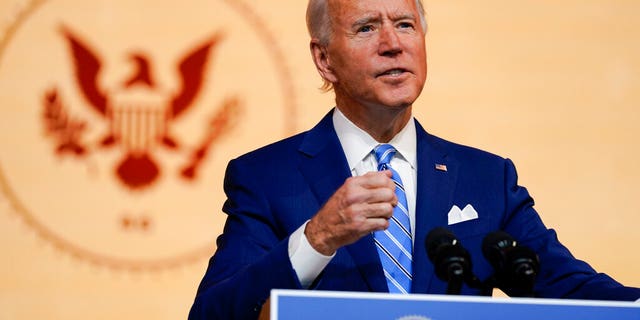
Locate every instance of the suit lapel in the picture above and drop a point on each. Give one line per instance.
(323, 163)
(435, 186)
(325, 168)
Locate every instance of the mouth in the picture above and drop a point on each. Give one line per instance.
(392, 72)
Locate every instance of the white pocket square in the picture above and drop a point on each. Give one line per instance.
(456, 215)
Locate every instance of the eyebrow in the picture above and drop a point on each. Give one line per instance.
(403, 16)
(374, 18)
(366, 20)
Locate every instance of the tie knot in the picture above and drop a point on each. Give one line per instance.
(384, 153)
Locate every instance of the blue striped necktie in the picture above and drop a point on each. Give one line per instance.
(394, 244)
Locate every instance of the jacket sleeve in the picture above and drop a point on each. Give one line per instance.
(251, 258)
(561, 274)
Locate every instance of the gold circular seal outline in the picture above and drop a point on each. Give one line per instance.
(82, 254)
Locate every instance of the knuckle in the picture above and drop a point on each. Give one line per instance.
(349, 181)
(387, 210)
(384, 224)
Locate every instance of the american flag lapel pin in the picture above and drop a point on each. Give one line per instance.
(441, 167)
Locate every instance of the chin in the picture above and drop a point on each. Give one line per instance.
(400, 101)
(395, 105)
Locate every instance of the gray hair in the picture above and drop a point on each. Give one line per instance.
(319, 21)
(319, 25)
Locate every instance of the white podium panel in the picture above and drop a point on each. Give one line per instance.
(323, 305)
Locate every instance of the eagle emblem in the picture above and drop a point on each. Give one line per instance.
(139, 113)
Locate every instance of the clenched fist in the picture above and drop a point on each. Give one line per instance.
(363, 204)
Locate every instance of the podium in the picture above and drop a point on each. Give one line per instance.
(322, 305)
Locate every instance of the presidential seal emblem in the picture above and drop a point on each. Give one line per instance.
(118, 119)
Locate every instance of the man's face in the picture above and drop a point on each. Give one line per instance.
(376, 54)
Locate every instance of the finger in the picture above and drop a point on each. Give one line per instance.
(376, 224)
(382, 194)
(381, 210)
(377, 179)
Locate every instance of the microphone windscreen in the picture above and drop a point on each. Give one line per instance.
(494, 244)
(436, 239)
(515, 266)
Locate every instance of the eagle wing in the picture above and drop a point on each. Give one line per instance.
(191, 70)
(87, 67)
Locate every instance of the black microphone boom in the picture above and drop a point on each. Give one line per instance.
(451, 261)
(516, 267)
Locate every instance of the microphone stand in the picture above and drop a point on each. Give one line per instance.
(455, 272)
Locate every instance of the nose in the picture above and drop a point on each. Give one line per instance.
(389, 42)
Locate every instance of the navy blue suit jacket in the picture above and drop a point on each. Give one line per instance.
(272, 191)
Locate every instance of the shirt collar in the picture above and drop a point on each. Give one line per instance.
(357, 144)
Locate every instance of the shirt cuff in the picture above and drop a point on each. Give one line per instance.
(306, 261)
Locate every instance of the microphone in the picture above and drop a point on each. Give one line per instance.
(451, 261)
(516, 267)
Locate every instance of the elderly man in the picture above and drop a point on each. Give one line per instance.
(348, 204)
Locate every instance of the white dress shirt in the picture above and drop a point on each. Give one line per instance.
(357, 146)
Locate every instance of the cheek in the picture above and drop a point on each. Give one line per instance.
(421, 64)
(354, 72)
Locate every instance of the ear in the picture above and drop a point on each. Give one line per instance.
(321, 58)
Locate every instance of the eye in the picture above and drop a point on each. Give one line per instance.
(405, 25)
(366, 28)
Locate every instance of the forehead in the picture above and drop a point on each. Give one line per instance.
(347, 11)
